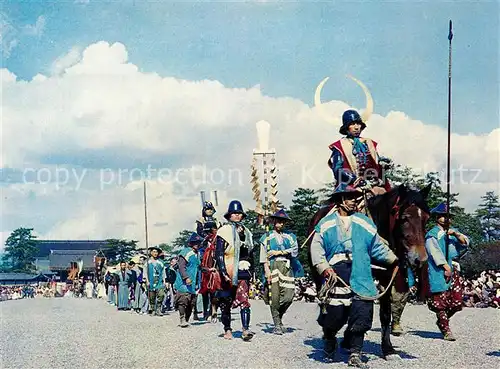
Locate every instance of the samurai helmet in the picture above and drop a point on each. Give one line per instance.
(350, 117)
(234, 207)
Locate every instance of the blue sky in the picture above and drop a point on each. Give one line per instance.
(399, 49)
(106, 109)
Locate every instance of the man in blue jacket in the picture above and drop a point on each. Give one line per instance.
(187, 281)
(444, 281)
(278, 255)
(344, 244)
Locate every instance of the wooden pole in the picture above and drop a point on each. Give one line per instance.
(146, 216)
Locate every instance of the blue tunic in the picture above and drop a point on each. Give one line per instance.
(124, 279)
(435, 244)
(155, 275)
(192, 269)
(271, 241)
(331, 245)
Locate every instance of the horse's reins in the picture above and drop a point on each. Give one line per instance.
(333, 278)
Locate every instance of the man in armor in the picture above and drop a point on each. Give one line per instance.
(207, 221)
(233, 254)
(355, 160)
(206, 226)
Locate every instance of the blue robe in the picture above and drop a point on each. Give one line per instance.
(192, 271)
(124, 281)
(435, 244)
(155, 270)
(331, 245)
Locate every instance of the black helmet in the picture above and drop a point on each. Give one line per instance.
(349, 117)
(234, 207)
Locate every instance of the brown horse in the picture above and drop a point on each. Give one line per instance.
(400, 216)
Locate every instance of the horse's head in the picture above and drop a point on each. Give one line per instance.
(410, 218)
(400, 216)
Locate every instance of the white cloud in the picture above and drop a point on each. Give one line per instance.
(6, 76)
(99, 110)
(66, 60)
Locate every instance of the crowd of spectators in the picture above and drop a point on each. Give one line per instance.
(481, 292)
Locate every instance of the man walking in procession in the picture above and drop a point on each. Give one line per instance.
(234, 246)
(139, 272)
(344, 244)
(278, 255)
(125, 280)
(187, 279)
(155, 281)
(446, 292)
(206, 228)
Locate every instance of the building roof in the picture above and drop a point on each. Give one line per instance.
(62, 259)
(22, 277)
(44, 246)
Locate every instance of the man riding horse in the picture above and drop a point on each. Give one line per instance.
(399, 214)
(355, 160)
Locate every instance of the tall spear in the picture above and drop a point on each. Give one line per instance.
(448, 164)
(146, 216)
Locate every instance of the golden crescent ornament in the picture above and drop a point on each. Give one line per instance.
(365, 116)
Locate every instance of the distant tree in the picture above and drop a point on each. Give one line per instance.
(167, 248)
(116, 250)
(488, 213)
(485, 257)
(304, 205)
(326, 191)
(20, 251)
(181, 240)
(468, 224)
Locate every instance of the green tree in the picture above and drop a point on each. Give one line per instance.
(167, 248)
(116, 250)
(326, 191)
(468, 224)
(485, 257)
(181, 240)
(406, 175)
(20, 251)
(488, 213)
(304, 206)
